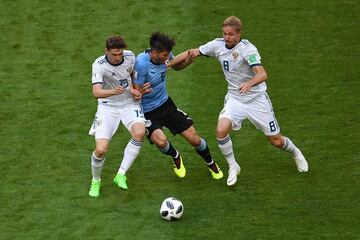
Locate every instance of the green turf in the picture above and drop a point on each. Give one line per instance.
(310, 50)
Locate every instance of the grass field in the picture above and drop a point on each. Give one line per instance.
(310, 50)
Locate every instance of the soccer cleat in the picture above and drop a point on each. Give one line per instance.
(216, 175)
(301, 162)
(120, 181)
(234, 171)
(181, 171)
(95, 188)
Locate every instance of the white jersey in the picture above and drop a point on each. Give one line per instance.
(236, 64)
(111, 76)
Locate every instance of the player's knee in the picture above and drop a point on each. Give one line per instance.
(221, 132)
(277, 142)
(100, 151)
(160, 141)
(139, 133)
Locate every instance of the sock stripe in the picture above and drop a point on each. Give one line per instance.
(202, 145)
(96, 159)
(224, 140)
(136, 143)
(288, 145)
(165, 149)
(210, 163)
(285, 144)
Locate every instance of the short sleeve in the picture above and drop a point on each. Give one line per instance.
(131, 56)
(252, 56)
(209, 48)
(97, 77)
(139, 73)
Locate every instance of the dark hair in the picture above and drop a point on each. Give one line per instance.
(160, 42)
(115, 42)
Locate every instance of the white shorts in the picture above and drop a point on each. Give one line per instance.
(259, 112)
(107, 120)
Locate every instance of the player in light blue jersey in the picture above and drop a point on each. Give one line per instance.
(246, 97)
(150, 74)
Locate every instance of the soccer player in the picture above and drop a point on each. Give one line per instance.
(118, 102)
(150, 68)
(246, 97)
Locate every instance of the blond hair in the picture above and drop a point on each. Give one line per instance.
(234, 22)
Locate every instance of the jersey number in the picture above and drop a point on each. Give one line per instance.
(124, 83)
(226, 65)
(272, 126)
(163, 76)
(139, 113)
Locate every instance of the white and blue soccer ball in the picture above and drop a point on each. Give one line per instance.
(171, 209)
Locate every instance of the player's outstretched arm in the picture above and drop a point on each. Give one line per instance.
(181, 61)
(194, 53)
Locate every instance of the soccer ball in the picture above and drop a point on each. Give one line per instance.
(171, 209)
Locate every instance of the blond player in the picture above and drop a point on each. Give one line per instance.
(246, 97)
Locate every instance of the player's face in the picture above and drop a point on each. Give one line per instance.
(115, 55)
(231, 36)
(160, 57)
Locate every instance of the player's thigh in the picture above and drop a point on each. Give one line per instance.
(261, 114)
(105, 124)
(234, 111)
(131, 115)
(177, 121)
(154, 122)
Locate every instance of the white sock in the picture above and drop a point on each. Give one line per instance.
(96, 166)
(290, 147)
(130, 153)
(226, 149)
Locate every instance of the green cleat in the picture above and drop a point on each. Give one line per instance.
(95, 188)
(217, 175)
(120, 181)
(181, 171)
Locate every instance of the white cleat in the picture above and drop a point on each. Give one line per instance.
(234, 171)
(301, 163)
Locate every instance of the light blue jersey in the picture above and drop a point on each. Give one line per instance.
(147, 71)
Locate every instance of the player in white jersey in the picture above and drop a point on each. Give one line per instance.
(118, 102)
(246, 97)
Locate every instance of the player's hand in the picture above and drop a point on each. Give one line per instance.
(135, 93)
(245, 87)
(146, 88)
(194, 53)
(117, 90)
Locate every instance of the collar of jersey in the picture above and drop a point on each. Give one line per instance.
(233, 46)
(114, 64)
(155, 63)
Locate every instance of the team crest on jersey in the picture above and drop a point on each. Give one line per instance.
(129, 70)
(235, 55)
